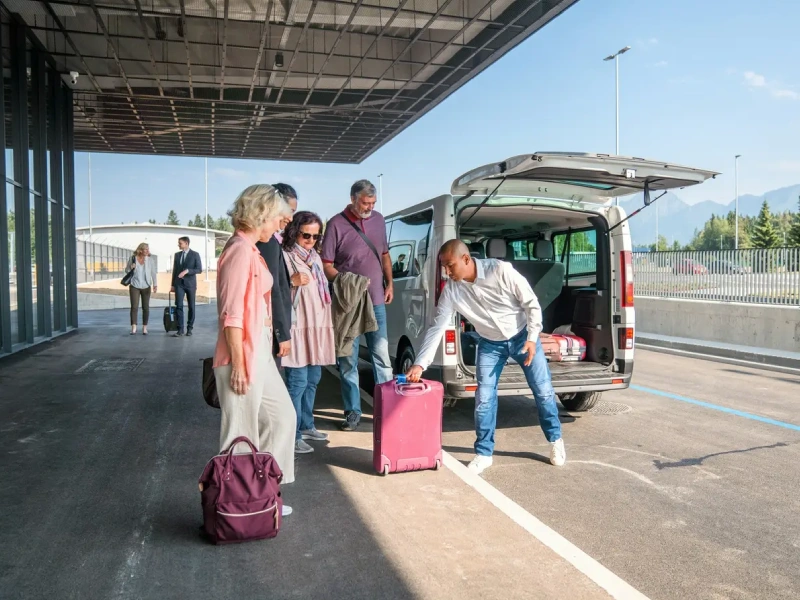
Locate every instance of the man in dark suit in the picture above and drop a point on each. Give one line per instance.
(185, 269)
(281, 286)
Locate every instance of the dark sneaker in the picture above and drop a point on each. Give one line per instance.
(350, 422)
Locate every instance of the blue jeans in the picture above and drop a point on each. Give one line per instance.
(378, 345)
(492, 356)
(302, 385)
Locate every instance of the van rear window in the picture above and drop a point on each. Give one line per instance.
(581, 258)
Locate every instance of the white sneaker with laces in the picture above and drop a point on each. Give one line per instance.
(479, 464)
(558, 454)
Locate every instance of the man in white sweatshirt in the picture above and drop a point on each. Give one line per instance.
(501, 305)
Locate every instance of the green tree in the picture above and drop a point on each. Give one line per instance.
(745, 229)
(793, 237)
(223, 224)
(661, 246)
(716, 233)
(764, 234)
(172, 218)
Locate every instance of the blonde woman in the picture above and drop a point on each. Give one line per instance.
(252, 394)
(145, 277)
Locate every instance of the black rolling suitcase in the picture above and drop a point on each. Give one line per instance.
(170, 316)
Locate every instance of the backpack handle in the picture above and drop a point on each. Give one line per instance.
(253, 450)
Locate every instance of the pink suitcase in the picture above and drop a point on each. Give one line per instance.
(407, 426)
(563, 347)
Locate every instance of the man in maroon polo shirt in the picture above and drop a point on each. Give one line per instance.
(345, 249)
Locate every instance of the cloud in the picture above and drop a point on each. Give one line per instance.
(783, 93)
(661, 63)
(789, 166)
(775, 88)
(230, 173)
(754, 79)
(647, 43)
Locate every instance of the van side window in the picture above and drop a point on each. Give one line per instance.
(581, 260)
(400, 254)
(412, 230)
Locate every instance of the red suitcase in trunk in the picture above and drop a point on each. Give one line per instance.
(407, 426)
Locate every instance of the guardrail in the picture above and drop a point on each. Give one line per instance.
(754, 276)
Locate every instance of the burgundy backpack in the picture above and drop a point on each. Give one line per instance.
(241, 496)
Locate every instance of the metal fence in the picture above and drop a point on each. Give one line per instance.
(98, 262)
(751, 276)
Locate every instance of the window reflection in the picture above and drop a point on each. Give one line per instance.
(413, 231)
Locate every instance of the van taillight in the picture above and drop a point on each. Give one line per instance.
(450, 341)
(440, 283)
(626, 338)
(626, 276)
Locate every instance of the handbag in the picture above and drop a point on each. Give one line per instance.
(240, 495)
(126, 279)
(210, 383)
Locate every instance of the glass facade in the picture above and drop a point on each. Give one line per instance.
(38, 293)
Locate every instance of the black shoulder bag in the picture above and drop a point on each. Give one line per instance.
(126, 280)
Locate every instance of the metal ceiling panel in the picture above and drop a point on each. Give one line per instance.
(311, 80)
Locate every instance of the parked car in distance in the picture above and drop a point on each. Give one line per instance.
(687, 266)
(726, 267)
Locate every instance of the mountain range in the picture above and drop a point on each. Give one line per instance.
(678, 220)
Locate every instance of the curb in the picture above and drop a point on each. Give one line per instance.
(742, 357)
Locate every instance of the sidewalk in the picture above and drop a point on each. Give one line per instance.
(106, 435)
(764, 357)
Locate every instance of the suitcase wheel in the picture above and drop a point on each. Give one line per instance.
(385, 471)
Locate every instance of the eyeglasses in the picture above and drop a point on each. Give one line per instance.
(308, 236)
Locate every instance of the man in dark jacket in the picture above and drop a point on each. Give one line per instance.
(185, 268)
(281, 287)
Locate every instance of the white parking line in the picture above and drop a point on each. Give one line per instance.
(603, 577)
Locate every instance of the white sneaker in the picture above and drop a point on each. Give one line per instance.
(314, 434)
(479, 464)
(558, 455)
(300, 447)
(286, 511)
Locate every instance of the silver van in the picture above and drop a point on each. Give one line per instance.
(552, 216)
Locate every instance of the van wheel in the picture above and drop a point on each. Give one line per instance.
(580, 401)
(405, 361)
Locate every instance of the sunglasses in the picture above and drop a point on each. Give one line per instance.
(309, 236)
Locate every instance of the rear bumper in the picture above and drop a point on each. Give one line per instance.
(517, 386)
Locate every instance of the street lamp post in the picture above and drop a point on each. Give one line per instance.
(736, 193)
(380, 191)
(206, 240)
(91, 239)
(615, 58)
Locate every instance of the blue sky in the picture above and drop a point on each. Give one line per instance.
(703, 81)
